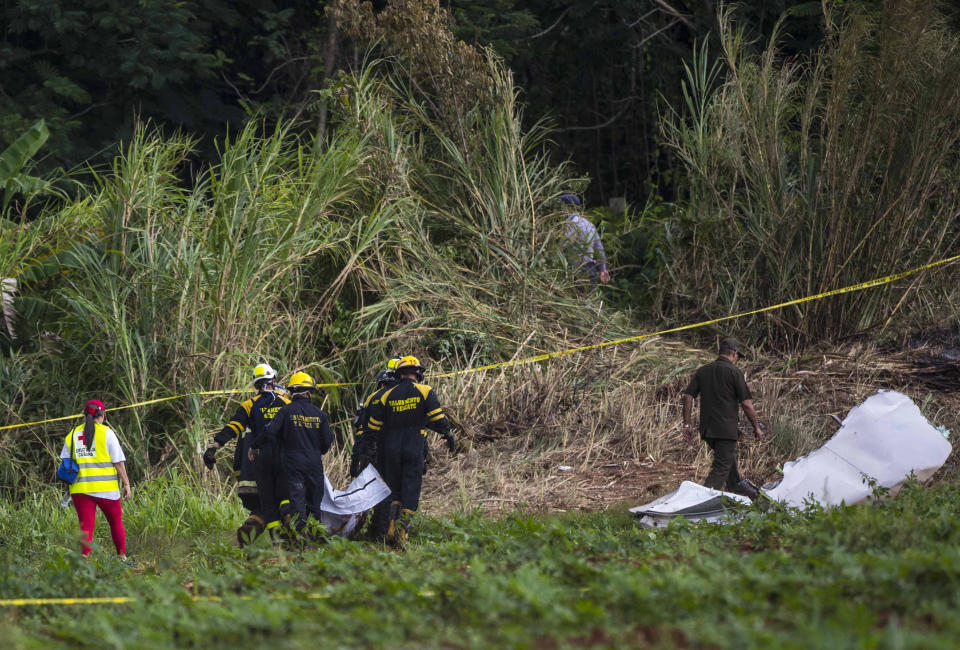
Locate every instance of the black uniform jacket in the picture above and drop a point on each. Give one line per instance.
(300, 426)
(365, 441)
(408, 406)
(363, 424)
(253, 414)
(721, 388)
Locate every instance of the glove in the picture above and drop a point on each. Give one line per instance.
(354, 466)
(364, 452)
(451, 443)
(358, 417)
(210, 457)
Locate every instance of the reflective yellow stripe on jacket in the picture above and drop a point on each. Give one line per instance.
(97, 473)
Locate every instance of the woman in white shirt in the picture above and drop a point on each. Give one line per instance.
(97, 451)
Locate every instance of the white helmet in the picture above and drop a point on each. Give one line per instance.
(263, 371)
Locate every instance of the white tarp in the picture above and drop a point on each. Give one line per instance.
(691, 501)
(343, 510)
(884, 440)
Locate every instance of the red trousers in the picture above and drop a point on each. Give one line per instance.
(86, 506)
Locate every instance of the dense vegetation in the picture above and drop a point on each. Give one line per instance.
(319, 256)
(347, 181)
(425, 217)
(882, 575)
(202, 65)
(808, 174)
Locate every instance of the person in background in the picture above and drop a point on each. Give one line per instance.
(723, 390)
(584, 241)
(97, 451)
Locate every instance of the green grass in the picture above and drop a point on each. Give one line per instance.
(884, 575)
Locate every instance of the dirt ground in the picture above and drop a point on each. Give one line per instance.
(797, 400)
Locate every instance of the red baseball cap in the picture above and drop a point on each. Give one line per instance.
(94, 407)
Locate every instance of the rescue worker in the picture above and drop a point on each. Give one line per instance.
(365, 442)
(365, 446)
(400, 415)
(585, 245)
(301, 433)
(260, 484)
(96, 449)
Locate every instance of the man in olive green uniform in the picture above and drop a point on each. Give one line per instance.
(723, 391)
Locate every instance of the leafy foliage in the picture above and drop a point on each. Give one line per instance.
(92, 69)
(448, 75)
(879, 574)
(14, 161)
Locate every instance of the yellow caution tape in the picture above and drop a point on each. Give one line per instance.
(887, 279)
(203, 393)
(126, 600)
(23, 602)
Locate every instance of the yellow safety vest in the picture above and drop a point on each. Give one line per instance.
(97, 473)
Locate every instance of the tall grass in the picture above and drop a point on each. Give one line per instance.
(329, 257)
(188, 287)
(807, 174)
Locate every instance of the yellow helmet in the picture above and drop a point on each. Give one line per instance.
(409, 363)
(393, 363)
(301, 381)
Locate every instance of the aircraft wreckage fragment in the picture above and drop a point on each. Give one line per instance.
(880, 444)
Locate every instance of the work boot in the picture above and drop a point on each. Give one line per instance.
(250, 530)
(747, 488)
(275, 532)
(395, 507)
(403, 528)
(379, 522)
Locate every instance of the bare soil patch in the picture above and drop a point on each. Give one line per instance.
(620, 440)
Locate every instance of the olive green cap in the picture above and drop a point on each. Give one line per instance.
(730, 344)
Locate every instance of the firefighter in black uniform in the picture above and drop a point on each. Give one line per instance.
(399, 415)
(365, 441)
(260, 485)
(301, 433)
(365, 446)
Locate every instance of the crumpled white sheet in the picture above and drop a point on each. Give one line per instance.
(692, 501)
(883, 439)
(342, 511)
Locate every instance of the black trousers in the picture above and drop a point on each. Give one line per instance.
(401, 465)
(723, 471)
(271, 484)
(304, 470)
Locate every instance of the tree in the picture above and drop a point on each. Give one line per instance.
(600, 70)
(91, 68)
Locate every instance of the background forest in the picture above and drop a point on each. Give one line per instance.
(597, 70)
(190, 188)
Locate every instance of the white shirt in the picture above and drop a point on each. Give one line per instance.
(116, 456)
